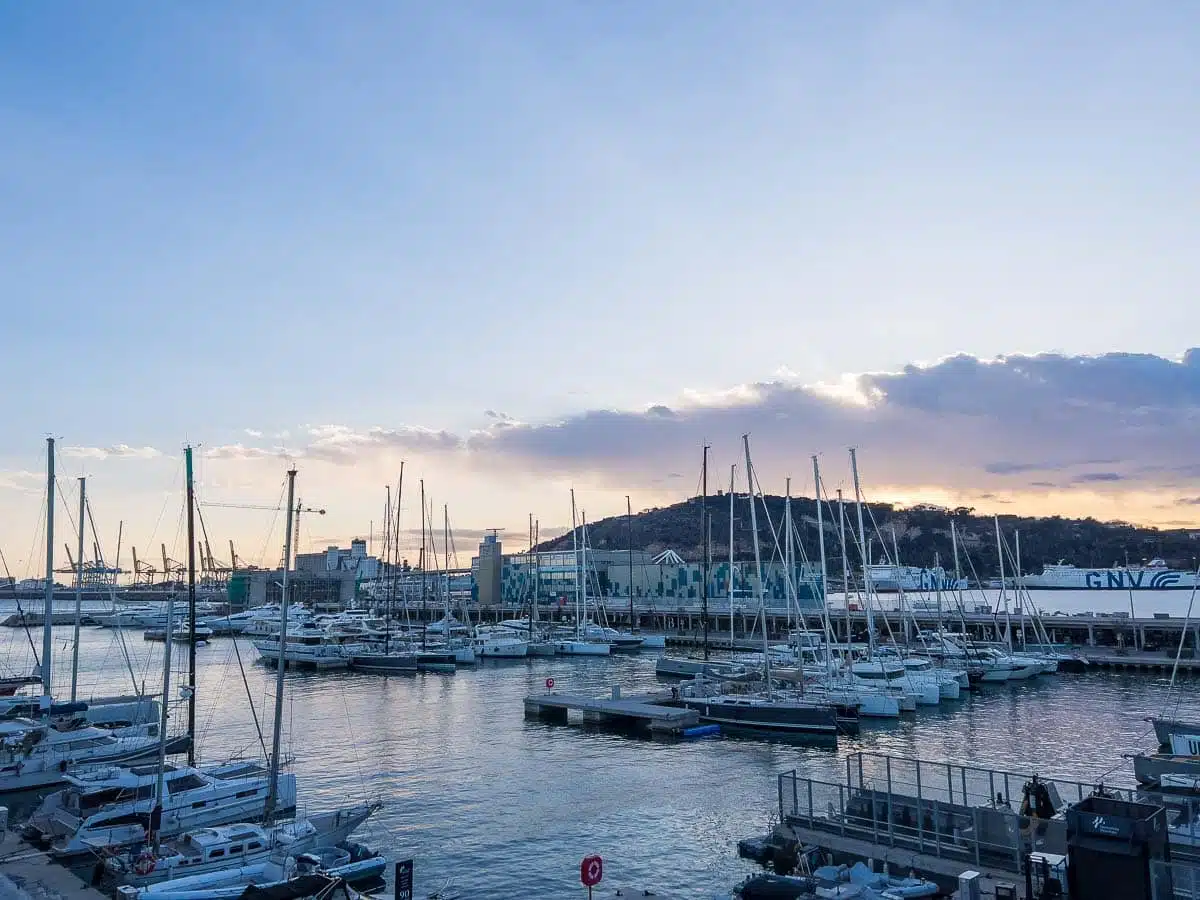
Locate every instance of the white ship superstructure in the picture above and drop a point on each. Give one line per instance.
(1155, 575)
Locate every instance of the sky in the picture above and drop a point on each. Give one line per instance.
(532, 246)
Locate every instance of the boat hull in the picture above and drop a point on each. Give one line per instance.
(780, 718)
(581, 648)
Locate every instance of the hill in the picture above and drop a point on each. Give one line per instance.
(922, 535)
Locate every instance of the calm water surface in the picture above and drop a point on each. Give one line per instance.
(506, 807)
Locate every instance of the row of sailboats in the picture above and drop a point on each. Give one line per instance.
(168, 830)
(874, 681)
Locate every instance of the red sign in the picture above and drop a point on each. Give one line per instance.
(549, 683)
(591, 870)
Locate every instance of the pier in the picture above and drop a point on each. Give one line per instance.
(26, 873)
(645, 711)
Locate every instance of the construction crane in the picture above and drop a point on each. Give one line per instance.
(300, 508)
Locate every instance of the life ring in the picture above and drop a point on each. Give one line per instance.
(145, 863)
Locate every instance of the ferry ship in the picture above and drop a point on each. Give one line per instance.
(887, 577)
(1155, 575)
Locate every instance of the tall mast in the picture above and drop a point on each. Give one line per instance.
(762, 597)
(532, 586)
(1003, 595)
(633, 625)
(387, 633)
(537, 569)
(424, 571)
(156, 813)
(191, 533)
(78, 589)
(957, 571)
(845, 568)
(732, 473)
(47, 641)
(273, 786)
(446, 560)
(866, 559)
(824, 572)
(788, 564)
(575, 546)
(704, 536)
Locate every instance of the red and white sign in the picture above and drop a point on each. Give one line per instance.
(549, 684)
(591, 870)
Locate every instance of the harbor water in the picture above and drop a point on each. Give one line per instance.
(499, 806)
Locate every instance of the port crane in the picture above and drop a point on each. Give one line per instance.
(300, 508)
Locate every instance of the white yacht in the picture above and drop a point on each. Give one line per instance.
(499, 643)
(35, 755)
(110, 807)
(224, 846)
(266, 623)
(307, 644)
(893, 675)
(619, 641)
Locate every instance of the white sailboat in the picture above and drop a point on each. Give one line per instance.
(577, 644)
(223, 869)
(208, 850)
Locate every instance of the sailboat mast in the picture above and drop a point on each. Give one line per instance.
(845, 567)
(633, 625)
(788, 564)
(704, 536)
(866, 559)
(732, 473)
(824, 570)
(78, 589)
(532, 585)
(446, 555)
(47, 641)
(762, 597)
(191, 533)
(575, 546)
(277, 732)
(387, 633)
(1003, 595)
(424, 572)
(156, 813)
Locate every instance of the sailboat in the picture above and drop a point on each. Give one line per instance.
(397, 657)
(577, 643)
(230, 881)
(113, 806)
(36, 754)
(766, 711)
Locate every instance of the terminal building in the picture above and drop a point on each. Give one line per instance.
(338, 578)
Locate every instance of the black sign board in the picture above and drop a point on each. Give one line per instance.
(404, 879)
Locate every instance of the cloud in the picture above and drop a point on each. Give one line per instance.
(253, 432)
(344, 446)
(239, 451)
(21, 481)
(1188, 501)
(118, 451)
(959, 423)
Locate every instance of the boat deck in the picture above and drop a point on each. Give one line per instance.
(646, 710)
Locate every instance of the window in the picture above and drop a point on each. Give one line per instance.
(217, 854)
(185, 783)
(118, 821)
(236, 848)
(253, 845)
(248, 793)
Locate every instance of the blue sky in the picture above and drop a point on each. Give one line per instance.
(230, 222)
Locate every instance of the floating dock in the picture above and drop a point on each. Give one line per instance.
(29, 873)
(646, 711)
